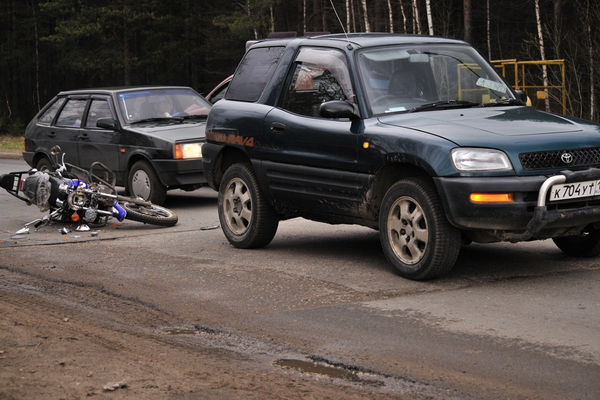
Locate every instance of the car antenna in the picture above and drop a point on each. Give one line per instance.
(342, 25)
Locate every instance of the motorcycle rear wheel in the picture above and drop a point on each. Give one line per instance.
(153, 214)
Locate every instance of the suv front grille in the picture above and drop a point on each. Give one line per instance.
(560, 159)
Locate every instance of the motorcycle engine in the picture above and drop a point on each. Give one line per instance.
(104, 201)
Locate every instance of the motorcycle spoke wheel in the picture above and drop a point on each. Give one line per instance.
(153, 214)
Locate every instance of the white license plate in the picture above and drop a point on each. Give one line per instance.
(575, 190)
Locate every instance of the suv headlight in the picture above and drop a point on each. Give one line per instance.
(480, 160)
(187, 150)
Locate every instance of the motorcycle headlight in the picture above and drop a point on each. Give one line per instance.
(480, 160)
(184, 151)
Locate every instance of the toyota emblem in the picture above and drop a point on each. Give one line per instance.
(567, 158)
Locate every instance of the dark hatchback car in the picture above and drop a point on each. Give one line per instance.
(151, 137)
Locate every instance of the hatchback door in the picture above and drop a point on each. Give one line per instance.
(95, 143)
(66, 129)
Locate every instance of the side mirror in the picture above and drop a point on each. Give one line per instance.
(107, 123)
(338, 109)
(521, 95)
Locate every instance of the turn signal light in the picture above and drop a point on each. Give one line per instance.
(75, 217)
(491, 197)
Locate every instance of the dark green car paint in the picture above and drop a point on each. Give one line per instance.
(337, 170)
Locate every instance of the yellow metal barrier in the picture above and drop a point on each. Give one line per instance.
(552, 95)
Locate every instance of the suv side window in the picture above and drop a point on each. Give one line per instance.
(319, 75)
(48, 116)
(253, 74)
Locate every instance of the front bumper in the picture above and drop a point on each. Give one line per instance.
(529, 215)
(180, 173)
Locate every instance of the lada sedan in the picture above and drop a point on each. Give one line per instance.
(151, 137)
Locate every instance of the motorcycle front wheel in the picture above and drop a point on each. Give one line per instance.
(152, 214)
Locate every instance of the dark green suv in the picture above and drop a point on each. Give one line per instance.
(416, 136)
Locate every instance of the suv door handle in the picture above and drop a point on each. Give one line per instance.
(277, 127)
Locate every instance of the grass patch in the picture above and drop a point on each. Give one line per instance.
(11, 142)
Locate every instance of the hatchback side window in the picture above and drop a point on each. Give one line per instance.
(98, 109)
(71, 113)
(48, 116)
(319, 75)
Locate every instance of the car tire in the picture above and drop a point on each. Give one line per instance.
(416, 237)
(585, 245)
(44, 164)
(143, 182)
(246, 218)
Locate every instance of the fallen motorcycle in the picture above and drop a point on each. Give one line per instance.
(74, 195)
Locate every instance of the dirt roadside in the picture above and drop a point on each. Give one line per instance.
(61, 342)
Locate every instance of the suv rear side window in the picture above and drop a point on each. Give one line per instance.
(253, 74)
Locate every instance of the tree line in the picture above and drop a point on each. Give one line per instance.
(51, 45)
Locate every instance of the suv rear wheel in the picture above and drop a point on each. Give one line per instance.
(416, 237)
(247, 220)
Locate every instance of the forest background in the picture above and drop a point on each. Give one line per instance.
(51, 45)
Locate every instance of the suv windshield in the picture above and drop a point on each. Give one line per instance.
(151, 104)
(405, 78)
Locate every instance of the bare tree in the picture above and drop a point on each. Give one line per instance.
(429, 16)
(488, 29)
(304, 16)
(347, 16)
(592, 61)
(391, 16)
(416, 19)
(366, 16)
(404, 19)
(540, 32)
(467, 9)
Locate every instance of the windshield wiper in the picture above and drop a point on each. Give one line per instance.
(204, 116)
(504, 102)
(445, 104)
(158, 119)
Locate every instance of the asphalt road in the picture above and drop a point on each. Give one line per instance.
(511, 321)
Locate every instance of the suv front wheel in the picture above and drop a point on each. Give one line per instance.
(416, 237)
(247, 220)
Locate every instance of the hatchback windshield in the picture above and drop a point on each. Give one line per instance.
(137, 106)
(417, 77)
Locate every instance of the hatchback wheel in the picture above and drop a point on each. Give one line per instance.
(143, 182)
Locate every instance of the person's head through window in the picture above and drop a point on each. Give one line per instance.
(403, 84)
(164, 107)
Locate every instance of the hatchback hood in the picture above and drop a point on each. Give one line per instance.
(174, 132)
(484, 126)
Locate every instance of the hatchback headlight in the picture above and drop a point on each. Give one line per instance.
(480, 160)
(184, 151)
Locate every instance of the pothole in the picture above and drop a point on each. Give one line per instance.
(194, 330)
(328, 370)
